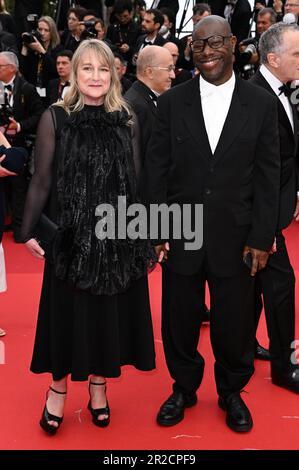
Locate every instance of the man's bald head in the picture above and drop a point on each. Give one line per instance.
(213, 23)
(173, 49)
(149, 56)
(155, 68)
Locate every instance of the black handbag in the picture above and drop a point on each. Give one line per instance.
(46, 233)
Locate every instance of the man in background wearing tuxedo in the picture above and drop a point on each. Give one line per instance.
(279, 52)
(58, 87)
(155, 71)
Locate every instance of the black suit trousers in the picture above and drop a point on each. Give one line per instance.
(277, 284)
(231, 328)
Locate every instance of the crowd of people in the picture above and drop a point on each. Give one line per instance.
(95, 112)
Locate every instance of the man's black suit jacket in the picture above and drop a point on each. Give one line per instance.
(139, 97)
(238, 185)
(27, 108)
(159, 41)
(289, 183)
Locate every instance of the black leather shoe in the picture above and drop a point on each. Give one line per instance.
(172, 410)
(289, 379)
(261, 353)
(238, 417)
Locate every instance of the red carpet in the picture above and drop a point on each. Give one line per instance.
(135, 397)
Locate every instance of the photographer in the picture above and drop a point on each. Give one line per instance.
(249, 54)
(20, 112)
(39, 51)
(124, 32)
(70, 38)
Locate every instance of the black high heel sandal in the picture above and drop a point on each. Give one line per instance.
(95, 413)
(46, 416)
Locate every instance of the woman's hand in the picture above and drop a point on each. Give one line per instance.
(37, 47)
(3, 171)
(35, 249)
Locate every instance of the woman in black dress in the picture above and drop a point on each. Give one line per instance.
(94, 313)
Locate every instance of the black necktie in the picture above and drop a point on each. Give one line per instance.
(8, 87)
(286, 89)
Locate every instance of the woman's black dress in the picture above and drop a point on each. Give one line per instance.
(79, 333)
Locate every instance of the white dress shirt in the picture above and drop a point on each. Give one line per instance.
(275, 83)
(215, 102)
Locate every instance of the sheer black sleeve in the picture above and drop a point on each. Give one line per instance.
(40, 184)
(136, 144)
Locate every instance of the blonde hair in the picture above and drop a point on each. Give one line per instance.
(74, 99)
(54, 36)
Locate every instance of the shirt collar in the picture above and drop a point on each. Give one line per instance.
(273, 81)
(207, 88)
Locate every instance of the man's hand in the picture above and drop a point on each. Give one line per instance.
(35, 249)
(3, 171)
(162, 252)
(296, 213)
(124, 48)
(259, 6)
(259, 259)
(277, 6)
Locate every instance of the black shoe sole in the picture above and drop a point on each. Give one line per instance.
(175, 421)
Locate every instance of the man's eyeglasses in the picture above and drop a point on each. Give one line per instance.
(4, 65)
(291, 5)
(170, 68)
(215, 42)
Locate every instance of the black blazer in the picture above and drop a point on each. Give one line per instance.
(159, 41)
(27, 108)
(238, 185)
(289, 182)
(139, 97)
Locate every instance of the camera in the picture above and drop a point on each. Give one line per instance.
(89, 32)
(30, 37)
(5, 108)
(5, 114)
(251, 49)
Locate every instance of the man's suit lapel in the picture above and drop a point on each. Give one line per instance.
(16, 92)
(193, 117)
(141, 88)
(282, 115)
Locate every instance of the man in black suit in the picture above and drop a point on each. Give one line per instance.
(25, 107)
(215, 144)
(278, 49)
(154, 75)
(151, 24)
(59, 86)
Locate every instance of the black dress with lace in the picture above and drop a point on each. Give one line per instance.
(85, 331)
